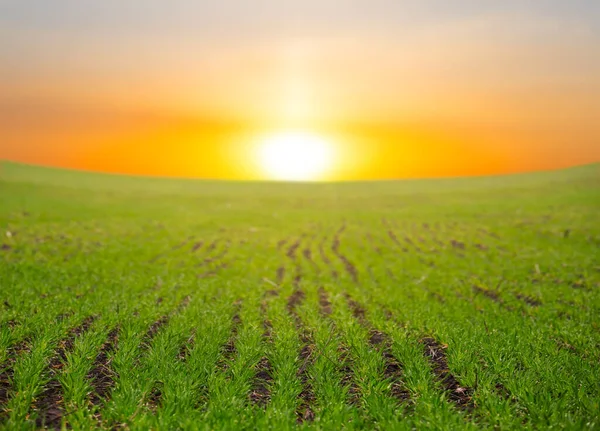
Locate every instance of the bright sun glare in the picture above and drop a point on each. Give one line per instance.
(295, 156)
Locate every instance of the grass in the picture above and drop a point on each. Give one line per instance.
(182, 304)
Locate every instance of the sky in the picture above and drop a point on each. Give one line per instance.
(398, 89)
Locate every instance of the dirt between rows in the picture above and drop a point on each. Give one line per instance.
(457, 393)
(335, 248)
(229, 350)
(324, 303)
(307, 398)
(260, 393)
(381, 342)
(49, 405)
(101, 376)
(7, 371)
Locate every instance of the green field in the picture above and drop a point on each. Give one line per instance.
(142, 303)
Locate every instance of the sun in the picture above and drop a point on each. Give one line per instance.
(295, 156)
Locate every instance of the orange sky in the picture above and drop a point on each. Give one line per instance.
(402, 89)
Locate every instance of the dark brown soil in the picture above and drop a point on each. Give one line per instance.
(488, 293)
(280, 274)
(102, 376)
(529, 300)
(305, 411)
(460, 395)
(307, 253)
(263, 380)
(187, 347)
(49, 404)
(154, 397)
(268, 327)
(216, 258)
(492, 234)
(12, 324)
(296, 299)
(6, 370)
(260, 393)
(228, 351)
(348, 378)
(291, 252)
(323, 254)
(562, 344)
(154, 328)
(181, 245)
(298, 277)
(350, 268)
(198, 245)
(393, 237)
(336, 237)
(382, 343)
(457, 244)
(214, 271)
(358, 311)
(327, 260)
(371, 241)
(324, 302)
(393, 368)
(212, 246)
(307, 397)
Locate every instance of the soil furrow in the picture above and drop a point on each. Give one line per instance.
(263, 378)
(298, 277)
(212, 246)
(380, 341)
(528, 300)
(49, 405)
(327, 260)
(163, 321)
(291, 252)
(280, 275)
(393, 368)
(460, 395)
(306, 398)
(229, 350)
(493, 295)
(348, 378)
(187, 347)
(7, 371)
(101, 376)
(371, 242)
(214, 271)
(153, 330)
(216, 258)
(262, 382)
(349, 266)
(174, 248)
(307, 253)
(197, 246)
(458, 244)
(155, 395)
(324, 303)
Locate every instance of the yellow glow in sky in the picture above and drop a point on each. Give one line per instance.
(295, 156)
(303, 91)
